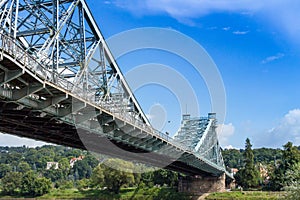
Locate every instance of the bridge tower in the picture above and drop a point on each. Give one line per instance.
(200, 135)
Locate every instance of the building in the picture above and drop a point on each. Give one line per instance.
(263, 170)
(52, 165)
(73, 160)
(234, 171)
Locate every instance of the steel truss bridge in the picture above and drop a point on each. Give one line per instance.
(60, 83)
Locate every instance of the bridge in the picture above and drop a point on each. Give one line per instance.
(60, 83)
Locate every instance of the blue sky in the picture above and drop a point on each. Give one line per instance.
(255, 45)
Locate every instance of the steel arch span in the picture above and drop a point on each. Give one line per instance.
(59, 82)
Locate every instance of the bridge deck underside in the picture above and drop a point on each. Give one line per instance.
(25, 123)
(25, 114)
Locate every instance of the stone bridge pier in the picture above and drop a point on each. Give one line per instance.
(199, 185)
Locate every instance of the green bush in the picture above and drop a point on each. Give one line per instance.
(65, 184)
(34, 186)
(41, 186)
(11, 183)
(83, 184)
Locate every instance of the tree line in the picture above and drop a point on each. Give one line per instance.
(267, 169)
(23, 171)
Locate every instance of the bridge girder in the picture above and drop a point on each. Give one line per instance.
(57, 73)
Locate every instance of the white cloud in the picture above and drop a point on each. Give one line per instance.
(287, 130)
(225, 131)
(272, 58)
(240, 32)
(230, 147)
(10, 140)
(226, 28)
(189, 8)
(280, 14)
(212, 28)
(283, 14)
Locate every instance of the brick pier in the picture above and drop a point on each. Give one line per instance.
(198, 185)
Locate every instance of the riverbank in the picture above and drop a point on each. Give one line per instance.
(155, 193)
(246, 195)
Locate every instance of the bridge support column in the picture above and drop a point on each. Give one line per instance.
(199, 185)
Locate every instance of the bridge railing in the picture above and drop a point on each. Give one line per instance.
(25, 59)
(22, 57)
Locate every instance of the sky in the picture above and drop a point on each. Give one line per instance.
(254, 45)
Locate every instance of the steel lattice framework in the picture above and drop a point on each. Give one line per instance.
(199, 134)
(63, 36)
(55, 68)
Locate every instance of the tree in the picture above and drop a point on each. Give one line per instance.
(232, 158)
(266, 155)
(23, 167)
(83, 184)
(4, 169)
(292, 177)
(114, 175)
(97, 178)
(31, 156)
(277, 177)
(91, 160)
(248, 176)
(163, 176)
(13, 158)
(64, 167)
(147, 178)
(84, 168)
(31, 185)
(11, 183)
(290, 158)
(27, 184)
(41, 186)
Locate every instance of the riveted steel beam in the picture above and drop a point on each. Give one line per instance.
(24, 92)
(10, 75)
(52, 101)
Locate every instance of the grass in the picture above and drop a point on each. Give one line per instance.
(154, 193)
(125, 194)
(246, 195)
(76, 194)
